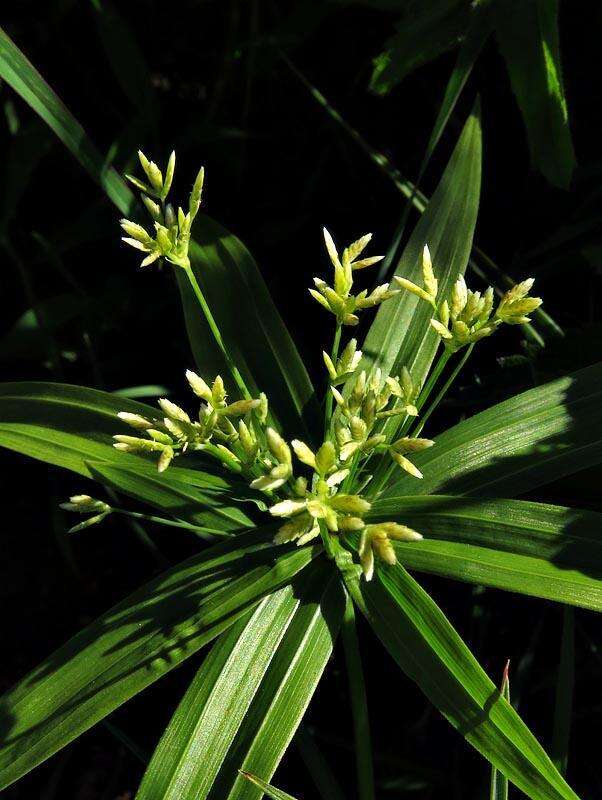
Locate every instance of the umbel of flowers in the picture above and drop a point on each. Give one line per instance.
(324, 491)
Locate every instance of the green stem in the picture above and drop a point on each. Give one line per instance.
(238, 379)
(443, 391)
(359, 704)
(384, 472)
(171, 523)
(329, 398)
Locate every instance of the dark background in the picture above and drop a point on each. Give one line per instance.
(208, 79)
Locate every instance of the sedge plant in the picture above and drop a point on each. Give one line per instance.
(308, 506)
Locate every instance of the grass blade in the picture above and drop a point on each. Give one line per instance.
(245, 703)
(271, 791)
(136, 643)
(534, 548)
(528, 39)
(72, 427)
(321, 774)
(527, 441)
(359, 705)
(431, 653)
(401, 334)
(499, 783)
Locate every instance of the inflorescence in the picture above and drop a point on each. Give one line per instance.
(320, 491)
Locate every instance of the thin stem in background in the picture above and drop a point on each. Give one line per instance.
(234, 372)
(170, 523)
(385, 470)
(359, 704)
(329, 398)
(317, 766)
(443, 391)
(563, 709)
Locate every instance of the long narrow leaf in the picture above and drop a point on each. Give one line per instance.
(196, 743)
(284, 694)
(498, 789)
(537, 549)
(137, 642)
(535, 437)
(271, 791)
(528, 37)
(401, 334)
(430, 652)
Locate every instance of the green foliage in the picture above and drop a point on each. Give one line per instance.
(273, 610)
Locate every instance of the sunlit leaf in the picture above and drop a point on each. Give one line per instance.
(137, 642)
(217, 726)
(532, 548)
(430, 652)
(527, 441)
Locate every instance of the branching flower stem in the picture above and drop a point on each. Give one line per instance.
(329, 398)
(233, 369)
(443, 391)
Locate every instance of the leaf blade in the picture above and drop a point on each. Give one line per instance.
(536, 549)
(135, 643)
(401, 334)
(431, 653)
(194, 752)
(540, 435)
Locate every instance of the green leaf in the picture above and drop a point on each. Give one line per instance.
(250, 323)
(284, 695)
(137, 642)
(317, 766)
(498, 789)
(431, 653)
(425, 31)
(527, 33)
(217, 713)
(533, 548)
(401, 334)
(72, 427)
(527, 441)
(359, 704)
(222, 265)
(20, 73)
(270, 791)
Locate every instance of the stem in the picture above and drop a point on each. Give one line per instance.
(359, 705)
(385, 471)
(171, 523)
(443, 391)
(329, 398)
(238, 379)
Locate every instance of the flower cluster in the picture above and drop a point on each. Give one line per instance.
(338, 298)
(84, 504)
(465, 316)
(370, 402)
(175, 432)
(171, 229)
(373, 414)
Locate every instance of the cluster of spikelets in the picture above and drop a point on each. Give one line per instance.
(172, 228)
(465, 317)
(326, 496)
(258, 452)
(213, 429)
(338, 298)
